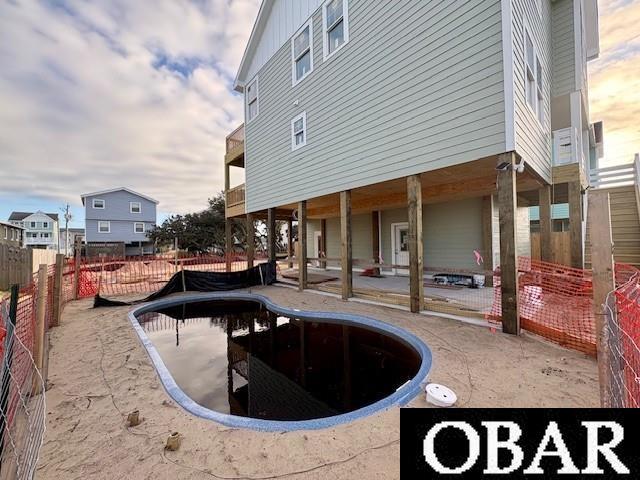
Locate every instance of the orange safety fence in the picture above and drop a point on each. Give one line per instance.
(555, 302)
(111, 276)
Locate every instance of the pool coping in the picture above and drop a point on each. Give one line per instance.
(400, 397)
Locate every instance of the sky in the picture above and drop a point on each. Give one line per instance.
(97, 95)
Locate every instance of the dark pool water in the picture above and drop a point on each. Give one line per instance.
(237, 357)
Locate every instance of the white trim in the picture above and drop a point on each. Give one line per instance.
(131, 207)
(246, 100)
(108, 222)
(527, 31)
(380, 257)
(507, 60)
(295, 81)
(302, 116)
(135, 224)
(345, 18)
(93, 204)
(120, 189)
(393, 245)
(256, 31)
(316, 249)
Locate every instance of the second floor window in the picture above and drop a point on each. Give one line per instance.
(302, 52)
(299, 131)
(533, 79)
(104, 227)
(33, 224)
(135, 207)
(45, 224)
(252, 100)
(138, 227)
(335, 26)
(98, 203)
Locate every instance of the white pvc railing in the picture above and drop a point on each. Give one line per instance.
(616, 176)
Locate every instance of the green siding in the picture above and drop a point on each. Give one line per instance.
(564, 60)
(533, 139)
(451, 232)
(419, 86)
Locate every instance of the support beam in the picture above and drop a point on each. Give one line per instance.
(271, 234)
(575, 224)
(251, 241)
(603, 279)
(416, 254)
(346, 245)
(375, 239)
(302, 245)
(228, 242)
(290, 242)
(544, 200)
(507, 204)
(323, 242)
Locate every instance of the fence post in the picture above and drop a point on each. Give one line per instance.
(4, 267)
(5, 387)
(57, 290)
(41, 309)
(76, 273)
(603, 277)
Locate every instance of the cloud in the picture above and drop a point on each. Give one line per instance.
(102, 94)
(614, 83)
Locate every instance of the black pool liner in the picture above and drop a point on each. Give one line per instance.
(195, 281)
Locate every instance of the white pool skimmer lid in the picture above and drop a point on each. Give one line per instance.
(440, 396)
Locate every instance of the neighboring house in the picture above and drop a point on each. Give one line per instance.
(68, 241)
(11, 235)
(120, 216)
(40, 229)
(378, 119)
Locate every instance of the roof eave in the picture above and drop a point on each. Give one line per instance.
(258, 26)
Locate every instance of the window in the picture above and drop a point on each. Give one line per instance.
(299, 131)
(33, 224)
(104, 227)
(252, 100)
(45, 224)
(135, 207)
(335, 26)
(44, 235)
(98, 203)
(533, 79)
(302, 53)
(138, 227)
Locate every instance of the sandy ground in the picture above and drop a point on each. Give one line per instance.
(99, 372)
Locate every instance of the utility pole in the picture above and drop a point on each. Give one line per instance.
(67, 219)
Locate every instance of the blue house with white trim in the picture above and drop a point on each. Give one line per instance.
(122, 216)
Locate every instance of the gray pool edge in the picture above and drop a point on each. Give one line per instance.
(400, 397)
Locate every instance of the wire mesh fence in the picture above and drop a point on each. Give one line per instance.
(621, 338)
(22, 387)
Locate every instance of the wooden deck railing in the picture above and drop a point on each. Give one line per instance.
(235, 138)
(616, 176)
(235, 195)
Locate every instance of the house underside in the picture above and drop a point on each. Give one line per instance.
(434, 233)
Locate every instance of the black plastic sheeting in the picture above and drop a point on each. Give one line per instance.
(194, 281)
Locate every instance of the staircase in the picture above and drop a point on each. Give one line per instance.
(623, 185)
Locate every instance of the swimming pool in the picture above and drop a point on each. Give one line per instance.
(243, 361)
